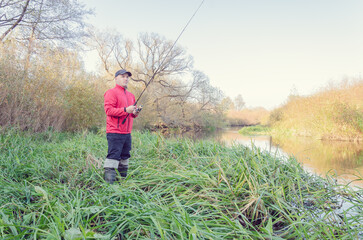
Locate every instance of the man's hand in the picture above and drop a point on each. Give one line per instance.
(130, 109)
(137, 110)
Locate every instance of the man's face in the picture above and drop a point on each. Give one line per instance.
(122, 80)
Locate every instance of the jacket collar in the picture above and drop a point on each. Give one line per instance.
(119, 87)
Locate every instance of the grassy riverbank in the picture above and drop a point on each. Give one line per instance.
(255, 130)
(51, 187)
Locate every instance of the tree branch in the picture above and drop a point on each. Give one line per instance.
(16, 23)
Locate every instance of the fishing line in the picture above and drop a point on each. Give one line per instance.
(157, 70)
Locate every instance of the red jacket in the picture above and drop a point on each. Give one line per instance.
(116, 100)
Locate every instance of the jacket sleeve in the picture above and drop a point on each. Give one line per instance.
(110, 106)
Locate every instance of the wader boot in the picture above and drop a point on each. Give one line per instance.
(110, 167)
(110, 175)
(123, 166)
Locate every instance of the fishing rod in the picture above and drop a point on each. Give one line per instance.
(156, 72)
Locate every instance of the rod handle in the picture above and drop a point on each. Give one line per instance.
(123, 122)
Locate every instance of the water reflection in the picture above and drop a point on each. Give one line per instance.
(345, 159)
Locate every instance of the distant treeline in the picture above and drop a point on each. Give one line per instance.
(247, 116)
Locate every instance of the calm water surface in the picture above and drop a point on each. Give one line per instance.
(343, 159)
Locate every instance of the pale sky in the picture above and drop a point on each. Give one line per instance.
(261, 49)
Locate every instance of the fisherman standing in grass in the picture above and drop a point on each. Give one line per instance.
(119, 103)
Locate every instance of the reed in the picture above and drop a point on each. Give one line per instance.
(247, 116)
(334, 113)
(51, 187)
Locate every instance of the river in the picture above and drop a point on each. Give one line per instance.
(342, 159)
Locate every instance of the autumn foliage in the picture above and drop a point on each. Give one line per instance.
(335, 112)
(52, 93)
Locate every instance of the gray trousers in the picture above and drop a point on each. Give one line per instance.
(118, 154)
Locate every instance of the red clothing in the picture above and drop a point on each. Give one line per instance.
(116, 99)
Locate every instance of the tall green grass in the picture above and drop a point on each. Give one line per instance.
(255, 130)
(51, 187)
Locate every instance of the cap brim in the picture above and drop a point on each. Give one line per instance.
(128, 73)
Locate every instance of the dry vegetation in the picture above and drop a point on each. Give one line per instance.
(333, 113)
(52, 93)
(48, 88)
(247, 117)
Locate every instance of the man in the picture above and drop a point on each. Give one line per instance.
(119, 104)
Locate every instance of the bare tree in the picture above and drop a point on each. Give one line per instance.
(12, 21)
(156, 58)
(168, 95)
(227, 103)
(52, 20)
(43, 23)
(114, 51)
(239, 103)
(206, 95)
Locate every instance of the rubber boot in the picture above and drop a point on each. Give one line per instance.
(110, 175)
(122, 170)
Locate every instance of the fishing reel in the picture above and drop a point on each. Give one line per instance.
(138, 109)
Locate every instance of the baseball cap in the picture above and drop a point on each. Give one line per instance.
(122, 71)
